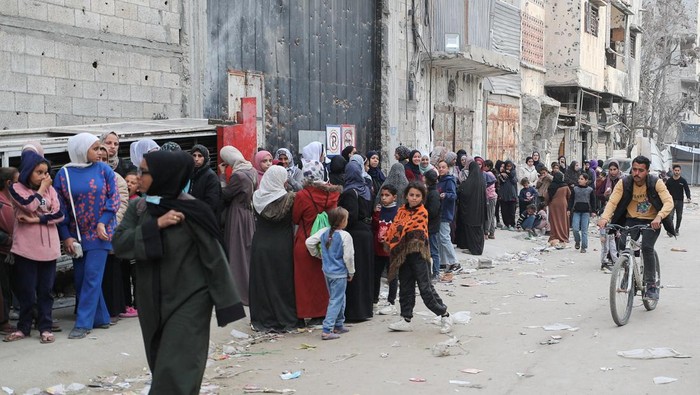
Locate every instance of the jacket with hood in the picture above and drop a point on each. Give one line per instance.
(35, 241)
(448, 186)
(204, 183)
(507, 181)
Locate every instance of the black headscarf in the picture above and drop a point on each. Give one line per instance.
(337, 170)
(170, 172)
(413, 167)
(347, 152)
(376, 172)
(557, 182)
(460, 154)
(571, 174)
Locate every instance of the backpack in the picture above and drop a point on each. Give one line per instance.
(321, 220)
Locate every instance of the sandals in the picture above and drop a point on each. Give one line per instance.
(47, 337)
(8, 329)
(14, 336)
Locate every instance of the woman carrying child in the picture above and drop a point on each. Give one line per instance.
(334, 246)
(409, 252)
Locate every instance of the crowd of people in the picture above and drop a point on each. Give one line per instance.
(301, 243)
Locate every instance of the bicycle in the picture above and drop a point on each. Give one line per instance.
(624, 282)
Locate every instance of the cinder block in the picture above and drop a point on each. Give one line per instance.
(11, 42)
(176, 64)
(154, 110)
(16, 62)
(145, 3)
(171, 80)
(176, 96)
(139, 61)
(69, 88)
(62, 15)
(12, 82)
(141, 93)
(174, 5)
(7, 101)
(134, 29)
(114, 58)
(94, 90)
(103, 7)
(159, 4)
(81, 71)
(32, 65)
(54, 67)
(171, 19)
(29, 103)
(149, 15)
(126, 10)
(155, 33)
(58, 105)
(84, 107)
(105, 73)
(77, 4)
(118, 92)
(41, 85)
(112, 24)
(132, 110)
(39, 47)
(9, 7)
(33, 9)
(129, 76)
(68, 119)
(40, 120)
(162, 95)
(173, 111)
(173, 35)
(13, 120)
(87, 20)
(108, 108)
(67, 51)
(151, 78)
(161, 64)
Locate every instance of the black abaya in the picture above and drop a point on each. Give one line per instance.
(472, 211)
(360, 291)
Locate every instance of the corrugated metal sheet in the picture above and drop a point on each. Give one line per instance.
(505, 39)
(478, 25)
(449, 16)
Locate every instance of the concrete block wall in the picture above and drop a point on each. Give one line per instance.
(66, 62)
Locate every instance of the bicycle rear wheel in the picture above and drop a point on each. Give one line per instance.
(651, 304)
(621, 291)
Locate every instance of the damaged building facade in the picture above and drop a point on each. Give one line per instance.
(592, 68)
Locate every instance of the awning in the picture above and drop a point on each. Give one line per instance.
(683, 152)
(475, 61)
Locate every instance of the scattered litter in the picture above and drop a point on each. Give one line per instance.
(461, 317)
(671, 286)
(417, 379)
(8, 390)
(126, 354)
(346, 357)
(290, 375)
(540, 296)
(664, 380)
(549, 342)
(606, 369)
(384, 355)
(676, 249)
(485, 263)
(396, 344)
(487, 282)
(471, 371)
(557, 327)
(556, 337)
(442, 349)
(459, 382)
(239, 335)
(250, 389)
(305, 346)
(523, 333)
(569, 303)
(651, 353)
(555, 276)
(33, 391)
(56, 390)
(526, 375)
(75, 387)
(209, 389)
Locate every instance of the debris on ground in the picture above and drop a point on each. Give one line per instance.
(417, 380)
(345, 357)
(651, 353)
(664, 380)
(250, 389)
(526, 375)
(287, 375)
(442, 349)
(557, 327)
(676, 249)
(239, 335)
(606, 369)
(471, 371)
(459, 382)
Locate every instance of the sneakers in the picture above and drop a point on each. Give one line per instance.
(130, 313)
(401, 326)
(577, 246)
(329, 336)
(583, 250)
(652, 292)
(511, 228)
(492, 236)
(445, 324)
(78, 333)
(678, 232)
(340, 330)
(454, 268)
(388, 310)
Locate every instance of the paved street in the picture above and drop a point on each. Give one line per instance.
(505, 340)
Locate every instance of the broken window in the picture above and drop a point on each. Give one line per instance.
(633, 45)
(592, 17)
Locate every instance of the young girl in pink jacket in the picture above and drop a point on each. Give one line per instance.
(35, 244)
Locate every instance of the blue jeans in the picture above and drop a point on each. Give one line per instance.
(335, 314)
(529, 222)
(447, 250)
(435, 252)
(88, 272)
(34, 282)
(579, 224)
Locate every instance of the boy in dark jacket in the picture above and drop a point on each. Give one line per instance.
(432, 204)
(527, 196)
(382, 219)
(447, 187)
(582, 205)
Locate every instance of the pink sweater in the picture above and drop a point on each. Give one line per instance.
(38, 242)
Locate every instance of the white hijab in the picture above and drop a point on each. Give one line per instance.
(234, 158)
(138, 149)
(78, 147)
(271, 188)
(312, 151)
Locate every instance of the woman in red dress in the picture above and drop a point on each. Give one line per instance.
(309, 281)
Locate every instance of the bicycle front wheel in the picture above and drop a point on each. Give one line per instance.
(651, 304)
(621, 291)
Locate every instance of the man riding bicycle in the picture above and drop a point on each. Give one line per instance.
(641, 199)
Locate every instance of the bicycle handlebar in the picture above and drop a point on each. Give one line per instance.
(627, 228)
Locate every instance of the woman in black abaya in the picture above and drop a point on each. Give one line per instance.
(472, 211)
